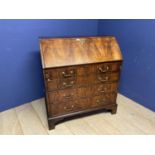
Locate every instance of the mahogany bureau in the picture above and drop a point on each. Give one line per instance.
(81, 75)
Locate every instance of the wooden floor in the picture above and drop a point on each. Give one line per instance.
(30, 119)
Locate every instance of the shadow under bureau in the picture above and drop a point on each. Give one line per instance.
(81, 75)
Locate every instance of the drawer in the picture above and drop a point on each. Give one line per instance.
(97, 89)
(68, 72)
(96, 101)
(84, 70)
(69, 94)
(81, 92)
(62, 95)
(56, 109)
(103, 99)
(58, 73)
(67, 83)
(85, 83)
(70, 82)
(73, 71)
(107, 77)
(104, 88)
(108, 67)
(60, 84)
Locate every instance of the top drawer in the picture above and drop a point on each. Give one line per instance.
(85, 70)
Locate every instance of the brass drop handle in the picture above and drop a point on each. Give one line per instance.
(104, 79)
(69, 108)
(103, 90)
(68, 96)
(68, 85)
(103, 70)
(67, 75)
(49, 79)
(47, 76)
(100, 102)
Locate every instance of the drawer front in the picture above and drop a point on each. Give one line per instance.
(60, 73)
(69, 94)
(60, 84)
(82, 92)
(97, 101)
(85, 70)
(104, 88)
(67, 72)
(81, 81)
(56, 109)
(62, 96)
(103, 99)
(67, 83)
(70, 83)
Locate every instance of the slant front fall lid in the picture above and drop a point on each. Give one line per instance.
(57, 52)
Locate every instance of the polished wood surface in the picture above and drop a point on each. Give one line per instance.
(81, 76)
(81, 81)
(56, 52)
(70, 106)
(30, 119)
(81, 92)
(81, 70)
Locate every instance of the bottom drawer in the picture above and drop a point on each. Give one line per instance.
(61, 108)
(71, 106)
(103, 100)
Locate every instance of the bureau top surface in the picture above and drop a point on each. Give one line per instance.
(58, 52)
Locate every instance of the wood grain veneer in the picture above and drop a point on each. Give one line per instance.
(58, 52)
(81, 75)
